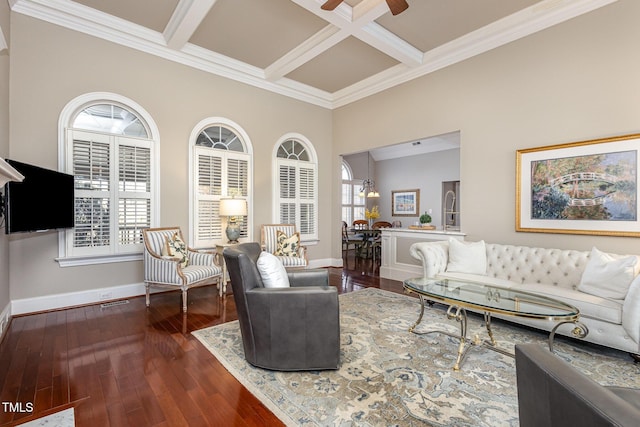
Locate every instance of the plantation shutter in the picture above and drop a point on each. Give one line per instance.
(297, 201)
(91, 166)
(237, 185)
(134, 190)
(219, 173)
(208, 225)
(307, 200)
(287, 202)
(113, 180)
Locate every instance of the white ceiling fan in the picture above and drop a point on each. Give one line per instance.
(396, 6)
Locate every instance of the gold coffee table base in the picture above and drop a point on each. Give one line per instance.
(460, 315)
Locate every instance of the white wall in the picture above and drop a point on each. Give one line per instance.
(572, 82)
(424, 172)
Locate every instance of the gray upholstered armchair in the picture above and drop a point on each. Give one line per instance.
(553, 393)
(285, 329)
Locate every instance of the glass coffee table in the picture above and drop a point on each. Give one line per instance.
(462, 295)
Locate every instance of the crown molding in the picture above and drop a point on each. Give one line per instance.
(80, 18)
(413, 63)
(513, 27)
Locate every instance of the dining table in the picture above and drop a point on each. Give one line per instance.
(369, 237)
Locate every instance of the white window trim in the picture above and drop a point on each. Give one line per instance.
(202, 125)
(349, 170)
(63, 125)
(276, 182)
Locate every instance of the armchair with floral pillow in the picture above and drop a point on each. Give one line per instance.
(283, 241)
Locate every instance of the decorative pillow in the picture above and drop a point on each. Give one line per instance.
(287, 245)
(467, 257)
(608, 277)
(175, 247)
(272, 271)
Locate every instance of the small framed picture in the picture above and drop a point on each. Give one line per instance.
(405, 202)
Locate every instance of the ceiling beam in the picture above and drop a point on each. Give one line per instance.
(185, 21)
(320, 42)
(344, 22)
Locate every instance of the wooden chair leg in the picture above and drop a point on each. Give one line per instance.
(184, 300)
(146, 285)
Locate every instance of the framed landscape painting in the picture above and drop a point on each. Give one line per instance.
(588, 187)
(405, 203)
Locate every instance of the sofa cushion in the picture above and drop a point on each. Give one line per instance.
(630, 312)
(272, 272)
(524, 264)
(589, 305)
(608, 277)
(467, 257)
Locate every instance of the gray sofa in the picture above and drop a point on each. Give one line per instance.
(555, 273)
(285, 329)
(551, 393)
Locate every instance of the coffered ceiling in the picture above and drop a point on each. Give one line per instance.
(292, 47)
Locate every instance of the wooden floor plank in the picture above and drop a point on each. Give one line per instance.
(133, 365)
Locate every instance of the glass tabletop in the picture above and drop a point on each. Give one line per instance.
(493, 299)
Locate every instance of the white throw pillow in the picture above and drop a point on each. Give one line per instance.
(467, 257)
(608, 277)
(272, 271)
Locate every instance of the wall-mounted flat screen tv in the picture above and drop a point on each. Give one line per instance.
(44, 200)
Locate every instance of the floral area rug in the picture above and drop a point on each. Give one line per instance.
(390, 377)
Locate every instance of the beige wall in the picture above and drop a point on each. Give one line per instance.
(4, 148)
(52, 65)
(573, 82)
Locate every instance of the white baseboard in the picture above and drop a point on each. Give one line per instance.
(94, 296)
(401, 272)
(326, 262)
(71, 299)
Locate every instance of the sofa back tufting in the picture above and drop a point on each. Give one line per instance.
(523, 264)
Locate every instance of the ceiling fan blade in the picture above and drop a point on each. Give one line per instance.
(397, 6)
(331, 4)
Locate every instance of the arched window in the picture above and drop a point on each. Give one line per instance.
(296, 185)
(352, 202)
(109, 144)
(221, 167)
(347, 175)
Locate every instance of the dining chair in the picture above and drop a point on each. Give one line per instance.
(350, 239)
(360, 224)
(376, 239)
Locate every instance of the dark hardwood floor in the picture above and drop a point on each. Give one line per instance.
(129, 365)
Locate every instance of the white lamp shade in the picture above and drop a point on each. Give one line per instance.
(233, 207)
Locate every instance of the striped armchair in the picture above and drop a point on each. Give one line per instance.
(269, 243)
(165, 269)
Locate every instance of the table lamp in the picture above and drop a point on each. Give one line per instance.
(233, 208)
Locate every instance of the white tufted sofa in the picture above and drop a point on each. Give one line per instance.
(554, 273)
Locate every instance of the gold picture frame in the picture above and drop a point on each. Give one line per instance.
(587, 187)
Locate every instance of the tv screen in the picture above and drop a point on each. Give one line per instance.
(44, 200)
